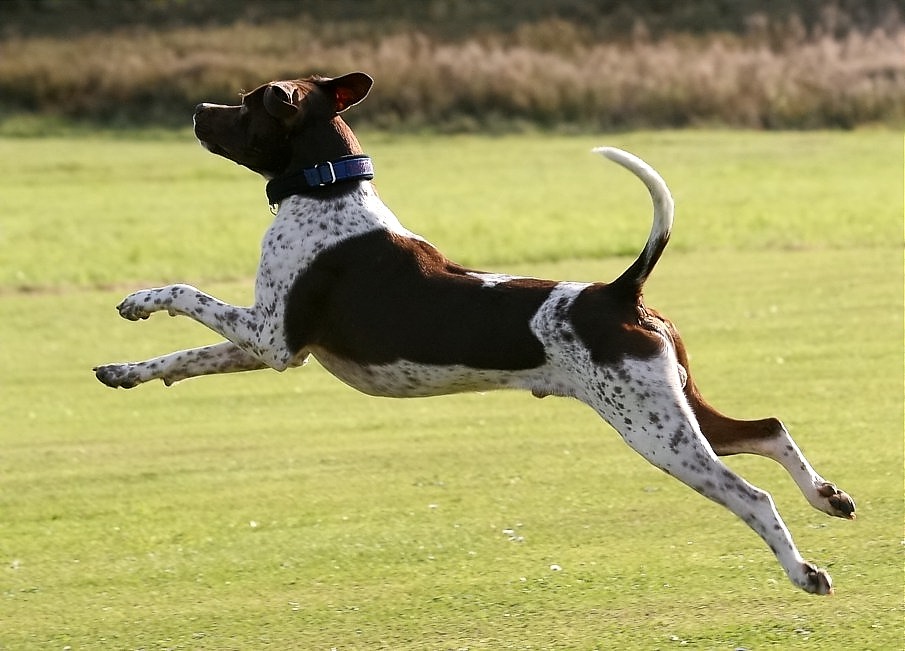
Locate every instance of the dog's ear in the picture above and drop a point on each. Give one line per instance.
(282, 100)
(347, 90)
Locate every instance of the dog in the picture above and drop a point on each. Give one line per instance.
(341, 280)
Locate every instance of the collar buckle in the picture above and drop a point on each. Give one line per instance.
(321, 174)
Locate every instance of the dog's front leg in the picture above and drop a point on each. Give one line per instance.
(181, 365)
(257, 330)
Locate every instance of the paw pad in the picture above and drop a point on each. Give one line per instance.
(842, 505)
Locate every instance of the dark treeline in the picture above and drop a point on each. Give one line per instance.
(456, 19)
(468, 64)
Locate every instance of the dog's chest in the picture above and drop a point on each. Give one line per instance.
(303, 229)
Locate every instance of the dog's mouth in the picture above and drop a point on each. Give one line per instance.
(199, 131)
(204, 139)
(203, 132)
(225, 153)
(245, 159)
(211, 147)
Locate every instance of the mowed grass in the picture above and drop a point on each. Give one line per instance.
(287, 511)
(105, 210)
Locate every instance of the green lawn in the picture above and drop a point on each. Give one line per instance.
(288, 511)
(108, 209)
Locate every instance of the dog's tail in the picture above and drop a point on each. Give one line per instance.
(632, 279)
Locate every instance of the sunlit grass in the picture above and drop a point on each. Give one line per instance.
(228, 512)
(107, 210)
(287, 510)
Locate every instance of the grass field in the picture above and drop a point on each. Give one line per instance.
(287, 511)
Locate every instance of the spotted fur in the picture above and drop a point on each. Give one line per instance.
(342, 280)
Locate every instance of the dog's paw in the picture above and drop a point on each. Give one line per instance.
(838, 503)
(139, 305)
(814, 580)
(116, 376)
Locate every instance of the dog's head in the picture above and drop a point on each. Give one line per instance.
(284, 124)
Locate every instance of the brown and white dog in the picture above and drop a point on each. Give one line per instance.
(340, 279)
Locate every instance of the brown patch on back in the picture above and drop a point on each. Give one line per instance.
(379, 297)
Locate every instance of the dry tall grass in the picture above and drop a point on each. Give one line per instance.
(552, 74)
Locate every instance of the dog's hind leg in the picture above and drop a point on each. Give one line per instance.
(769, 438)
(643, 399)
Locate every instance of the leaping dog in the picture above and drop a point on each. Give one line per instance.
(340, 279)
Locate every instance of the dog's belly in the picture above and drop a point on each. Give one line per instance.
(405, 379)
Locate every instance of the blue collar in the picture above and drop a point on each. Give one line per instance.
(357, 167)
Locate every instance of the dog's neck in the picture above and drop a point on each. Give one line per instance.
(327, 161)
(321, 142)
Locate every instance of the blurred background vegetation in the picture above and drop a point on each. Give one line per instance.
(466, 65)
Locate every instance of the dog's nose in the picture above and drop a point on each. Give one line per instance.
(201, 116)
